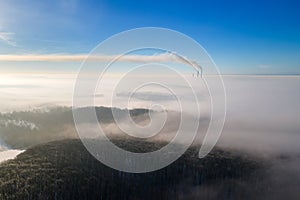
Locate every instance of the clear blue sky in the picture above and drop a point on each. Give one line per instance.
(242, 37)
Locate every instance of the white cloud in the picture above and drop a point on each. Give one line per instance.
(8, 38)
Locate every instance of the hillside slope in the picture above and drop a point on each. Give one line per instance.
(66, 170)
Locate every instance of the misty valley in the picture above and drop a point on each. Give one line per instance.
(56, 165)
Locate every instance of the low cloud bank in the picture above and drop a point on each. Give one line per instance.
(262, 119)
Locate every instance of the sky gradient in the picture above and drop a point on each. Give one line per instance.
(254, 37)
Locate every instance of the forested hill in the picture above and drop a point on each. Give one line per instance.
(22, 129)
(66, 170)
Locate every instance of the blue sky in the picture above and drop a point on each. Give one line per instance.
(253, 37)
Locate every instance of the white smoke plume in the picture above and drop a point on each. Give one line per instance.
(164, 57)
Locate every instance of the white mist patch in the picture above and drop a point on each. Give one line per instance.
(9, 154)
(18, 123)
(262, 114)
(30, 91)
(262, 111)
(167, 132)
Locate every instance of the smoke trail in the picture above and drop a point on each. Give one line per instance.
(164, 57)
